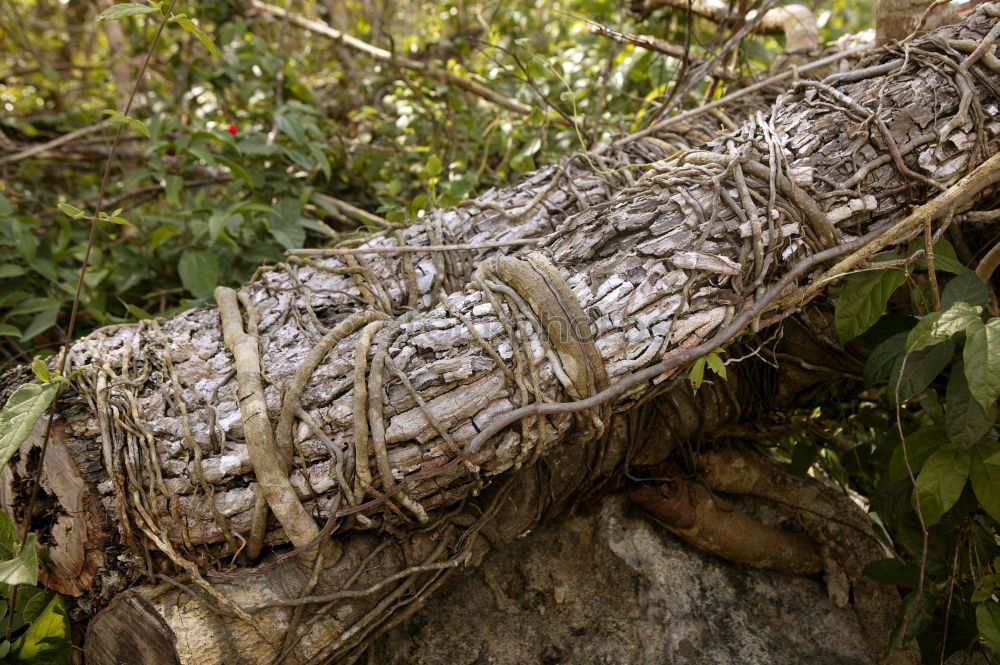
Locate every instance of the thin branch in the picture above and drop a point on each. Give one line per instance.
(651, 44)
(54, 143)
(357, 213)
(401, 61)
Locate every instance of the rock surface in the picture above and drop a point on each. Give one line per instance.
(612, 588)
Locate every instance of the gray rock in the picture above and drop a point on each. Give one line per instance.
(612, 588)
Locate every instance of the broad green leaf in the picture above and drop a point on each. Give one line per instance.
(939, 327)
(124, 10)
(982, 361)
(42, 321)
(137, 312)
(920, 611)
(914, 372)
(433, 166)
(202, 153)
(286, 223)
(189, 25)
(894, 572)
(162, 233)
(919, 446)
(884, 357)
(945, 259)
(47, 639)
(24, 568)
(863, 300)
(217, 224)
(139, 126)
(9, 331)
(985, 587)
(41, 370)
(8, 537)
(803, 457)
(34, 607)
(966, 287)
(121, 221)
(697, 375)
(5, 207)
(199, 271)
(23, 409)
(966, 420)
(522, 163)
(988, 622)
(71, 211)
(235, 169)
(716, 364)
(985, 477)
(172, 188)
(941, 481)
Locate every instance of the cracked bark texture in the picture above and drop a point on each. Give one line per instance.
(659, 268)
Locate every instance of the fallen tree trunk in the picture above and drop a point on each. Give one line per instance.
(672, 260)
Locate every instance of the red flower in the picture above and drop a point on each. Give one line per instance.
(232, 130)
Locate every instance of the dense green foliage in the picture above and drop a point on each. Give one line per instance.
(924, 446)
(228, 158)
(248, 134)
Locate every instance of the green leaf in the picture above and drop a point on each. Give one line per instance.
(8, 537)
(433, 166)
(5, 207)
(162, 233)
(189, 25)
(199, 271)
(7, 330)
(939, 327)
(988, 623)
(919, 446)
(47, 639)
(24, 568)
(139, 126)
(884, 357)
(123, 10)
(985, 477)
(941, 481)
(920, 610)
(984, 588)
(23, 409)
(982, 361)
(41, 370)
(71, 211)
(945, 259)
(894, 572)
(116, 117)
(863, 301)
(716, 364)
(803, 456)
(522, 163)
(966, 420)
(172, 187)
(42, 321)
(235, 169)
(697, 374)
(285, 224)
(966, 287)
(137, 312)
(919, 370)
(34, 607)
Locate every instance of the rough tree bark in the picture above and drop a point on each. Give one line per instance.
(674, 258)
